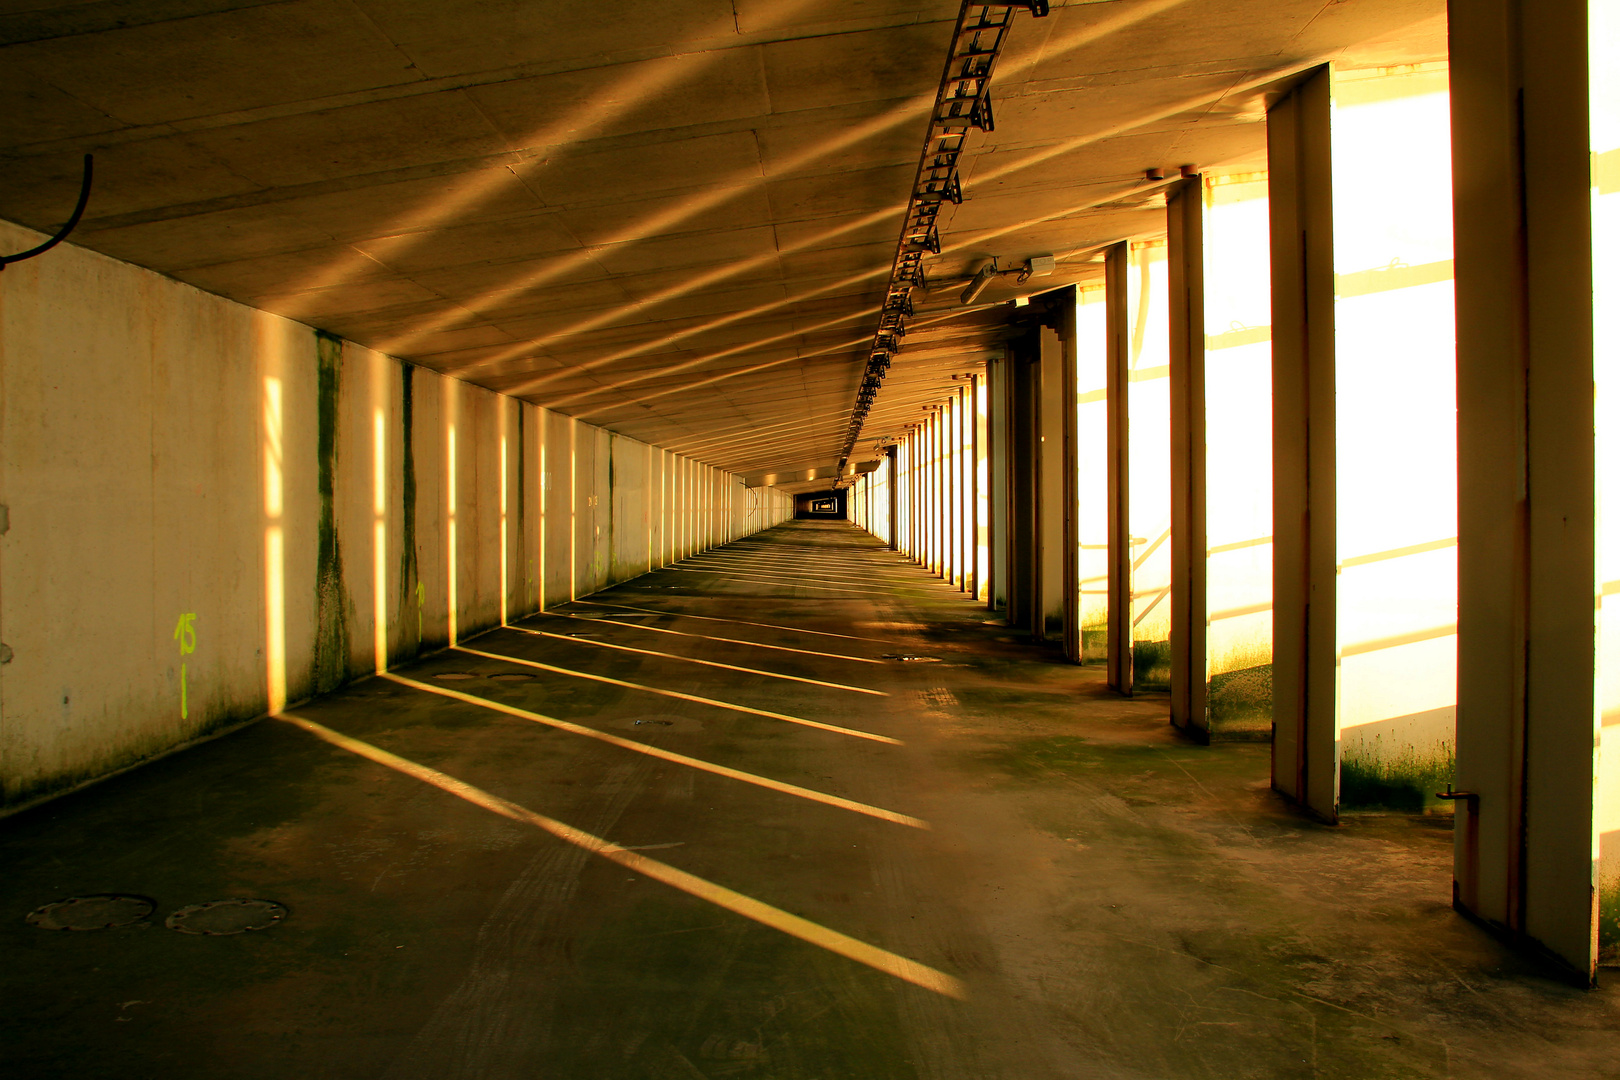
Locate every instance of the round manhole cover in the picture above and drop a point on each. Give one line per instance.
(454, 676)
(511, 676)
(101, 912)
(220, 917)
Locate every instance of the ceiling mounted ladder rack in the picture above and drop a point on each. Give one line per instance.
(961, 105)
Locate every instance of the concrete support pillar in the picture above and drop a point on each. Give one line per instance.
(1116, 265)
(999, 387)
(893, 454)
(914, 493)
(1051, 467)
(964, 487)
(931, 485)
(925, 504)
(919, 493)
(911, 494)
(1062, 310)
(1526, 727)
(1058, 502)
(949, 461)
(998, 381)
(1023, 482)
(983, 501)
(1304, 752)
(975, 389)
(1189, 554)
(938, 493)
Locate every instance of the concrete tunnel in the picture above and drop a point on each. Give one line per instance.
(876, 541)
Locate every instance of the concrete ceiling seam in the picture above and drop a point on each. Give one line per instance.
(675, 219)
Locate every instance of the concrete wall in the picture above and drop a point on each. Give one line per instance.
(1605, 106)
(214, 511)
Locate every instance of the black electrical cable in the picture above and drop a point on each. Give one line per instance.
(72, 222)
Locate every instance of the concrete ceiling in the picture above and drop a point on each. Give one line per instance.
(673, 218)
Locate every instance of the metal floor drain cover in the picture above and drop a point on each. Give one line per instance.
(904, 658)
(217, 918)
(100, 912)
(453, 676)
(511, 676)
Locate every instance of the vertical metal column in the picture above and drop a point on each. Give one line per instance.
(1116, 267)
(1305, 748)
(1189, 540)
(1526, 634)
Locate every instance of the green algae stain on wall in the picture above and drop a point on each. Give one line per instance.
(1094, 640)
(1151, 663)
(410, 596)
(331, 598)
(1402, 781)
(1609, 921)
(1239, 704)
(1398, 762)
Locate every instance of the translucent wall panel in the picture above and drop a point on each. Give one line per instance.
(1237, 388)
(869, 500)
(1605, 75)
(1397, 465)
(1150, 463)
(1091, 427)
(958, 491)
(884, 504)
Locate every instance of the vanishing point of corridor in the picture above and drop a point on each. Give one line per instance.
(791, 808)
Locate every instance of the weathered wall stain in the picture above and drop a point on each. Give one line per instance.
(522, 487)
(1375, 778)
(331, 598)
(1240, 704)
(267, 577)
(410, 603)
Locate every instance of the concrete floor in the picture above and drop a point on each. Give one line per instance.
(1112, 901)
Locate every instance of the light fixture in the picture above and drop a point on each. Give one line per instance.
(980, 282)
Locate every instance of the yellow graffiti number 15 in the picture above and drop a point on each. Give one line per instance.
(185, 632)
